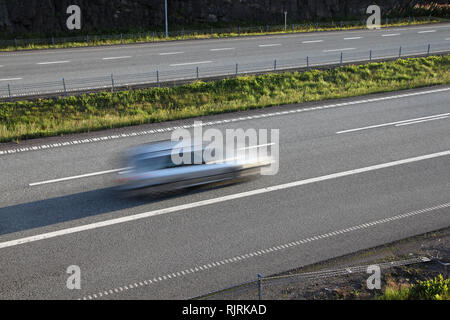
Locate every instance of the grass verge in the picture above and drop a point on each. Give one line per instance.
(95, 111)
(433, 289)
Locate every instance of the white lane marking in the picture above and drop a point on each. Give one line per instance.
(270, 45)
(1, 65)
(292, 244)
(391, 123)
(420, 121)
(203, 203)
(312, 41)
(353, 38)
(53, 62)
(188, 63)
(390, 35)
(114, 58)
(78, 176)
(217, 122)
(170, 53)
(447, 39)
(221, 49)
(427, 31)
(10, 79)
(344, 49)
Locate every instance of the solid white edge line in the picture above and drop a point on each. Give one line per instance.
(392, 123)
(53, 62)
(202, 203)
(420, 121)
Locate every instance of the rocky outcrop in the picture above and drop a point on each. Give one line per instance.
(49, 16)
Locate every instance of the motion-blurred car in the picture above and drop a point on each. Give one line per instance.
(152, 169)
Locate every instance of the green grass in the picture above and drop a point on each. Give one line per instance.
(434, 289)
(95, 111)
(149, 37)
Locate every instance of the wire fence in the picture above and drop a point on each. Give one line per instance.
(155, 36)
(257, 288)
(113, 82)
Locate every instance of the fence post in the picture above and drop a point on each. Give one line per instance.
(370, 55)
(197, 72)
(182, 34)
(15, 43)
(340, 28)
(64, 85)
(292, 28)
(153, 37)
(387, 22)
(429, 18)
(87, 39)
(409, 21)
(9, 92)
(112, 83)
(157, 78)
(307, 63)
(428, 50)
(317, 26)
(121, 38)
(236, 69)
(53, 41)
(239, 31)
(275, 65)
(260, 286)
(342, 54)
(400, 52)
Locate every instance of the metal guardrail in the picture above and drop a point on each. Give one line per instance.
(154, 36)
(257, 286)
(114, 82)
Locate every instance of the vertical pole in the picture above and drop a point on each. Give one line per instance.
(182, 34)
(9, 92)
(197, 72)
(285, 20)
(400, 52)
(340, 28)
(236, 69)
(387, 22)
(260, 286)
(15, 43)
(370, 55)
(428, 50)
(153, 39)
(157, 78)
(275, 65)
(87, 39)
(165, 14)
(342, 57)
(317, 26)
(112, 83)
(53, 40)
(64, 85)
(239, 31)
(292, 28)
(307, 63)
(409, 21)
(121, 38)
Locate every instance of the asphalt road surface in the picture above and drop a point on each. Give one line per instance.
(42, 71)
(354, 174)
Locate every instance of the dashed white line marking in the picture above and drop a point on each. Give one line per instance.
(312, 41)
(353, 38)
(222, 49)
(188, 63)
(53, 62)
(170, 53)
(298, 243)
(114, 58)
(390, 35)
(420, 121)
(392, 123)
(427, 31)
(10, 79)
(203, 203)
(218, 122)
(269, 45)
(77, 177)
(344, 49)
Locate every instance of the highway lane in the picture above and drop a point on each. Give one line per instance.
(159, 246)
(214, 55)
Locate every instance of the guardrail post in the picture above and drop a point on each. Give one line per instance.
(317, 26)
(370, 55)
(400, 52)
(9, 92)
(342, 54)
(157, 78)
(236, 69)
(275, 65)
(197, 72)
(428, 50)
(307, 63)
(64, 85)
(112, 83)
(121, 38)
(260, 286)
